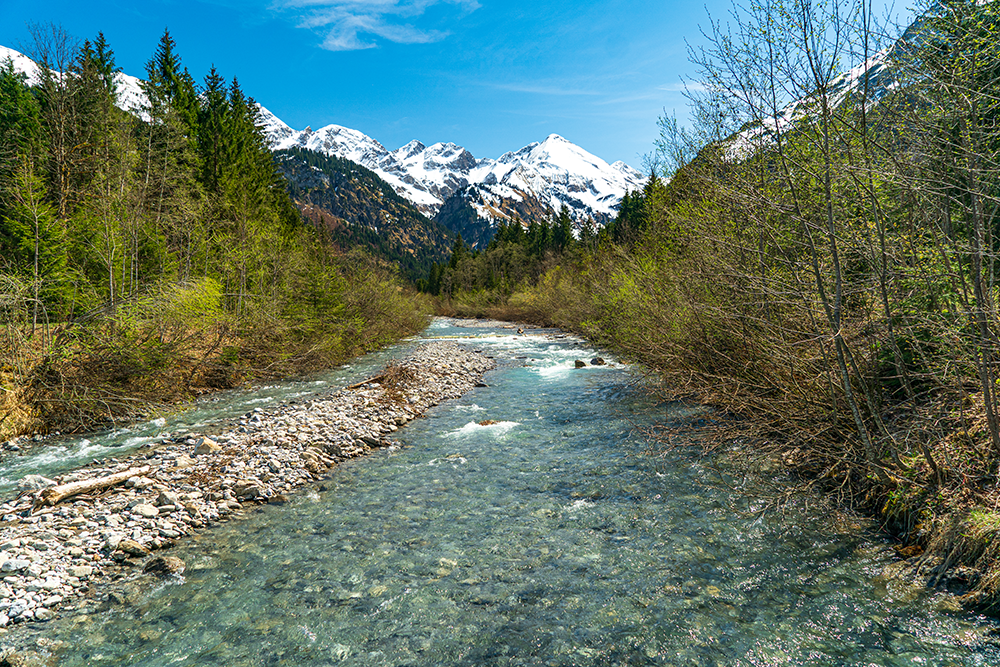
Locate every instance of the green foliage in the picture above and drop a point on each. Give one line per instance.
(20, 120)
(160, 254)
(516, 257)
(831, 282)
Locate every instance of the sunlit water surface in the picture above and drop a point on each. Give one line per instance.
(546, 538)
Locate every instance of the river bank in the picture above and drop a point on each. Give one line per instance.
(943, 520)
(56, 555)
(521, 524)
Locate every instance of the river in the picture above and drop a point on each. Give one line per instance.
(547, 537)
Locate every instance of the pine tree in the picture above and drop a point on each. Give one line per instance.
(213, 129)
(562, 233)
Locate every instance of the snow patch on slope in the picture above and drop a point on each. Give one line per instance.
(22, 65)
(131, 97)
(555, 171)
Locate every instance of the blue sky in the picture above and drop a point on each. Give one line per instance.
(491, 75)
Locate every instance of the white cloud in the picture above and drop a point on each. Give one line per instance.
(350, 25)
(543, 89)
(693, 86)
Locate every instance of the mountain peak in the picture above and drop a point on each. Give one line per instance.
(412, 148)
(555, 171)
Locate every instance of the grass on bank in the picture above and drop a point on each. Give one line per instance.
(176, 341)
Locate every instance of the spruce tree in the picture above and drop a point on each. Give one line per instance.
(213, 129)
(20, 121)
(562, 233)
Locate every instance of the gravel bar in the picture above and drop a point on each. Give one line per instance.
(55, 558)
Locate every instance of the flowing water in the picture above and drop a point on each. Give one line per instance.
(54, 456)
(546, 538)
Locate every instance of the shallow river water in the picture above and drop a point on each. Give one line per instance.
(546, 538)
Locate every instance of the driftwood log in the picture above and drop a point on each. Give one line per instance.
(56, 494)
(378, 379)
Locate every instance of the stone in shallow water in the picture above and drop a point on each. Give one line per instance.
(164, 566)
(247, 490)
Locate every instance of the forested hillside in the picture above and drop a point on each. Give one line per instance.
(356, 208)
(822, 265)
(145, 257)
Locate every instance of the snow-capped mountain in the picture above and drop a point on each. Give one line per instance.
(540, 176)
(556, 172)
(130, 94)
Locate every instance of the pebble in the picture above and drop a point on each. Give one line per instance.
(48, 553)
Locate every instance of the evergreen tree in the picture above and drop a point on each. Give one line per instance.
(103, 61)
(213, 129)
(588, 233)
(562, 233)
(458, 252)
(168, 83)
(20, 121)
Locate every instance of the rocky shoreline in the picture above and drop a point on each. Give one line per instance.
(57, 552)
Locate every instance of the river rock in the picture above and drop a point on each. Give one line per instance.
(164, 566)
(144, 510)
(580, 363)
(34, 483)
(597, 361)
(247, 490)
(132, 548)
(12, 659)
(207, 446)
(167, 498)
(80, 571)
(14, 565)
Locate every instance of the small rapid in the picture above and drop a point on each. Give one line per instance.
(523, 524)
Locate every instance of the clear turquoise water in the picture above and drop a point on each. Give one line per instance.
(549, 538)
(57, 455)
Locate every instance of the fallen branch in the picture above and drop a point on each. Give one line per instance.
(56, 494)
(375, 380)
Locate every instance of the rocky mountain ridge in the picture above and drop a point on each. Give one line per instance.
(526, 183)
(554, 172)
